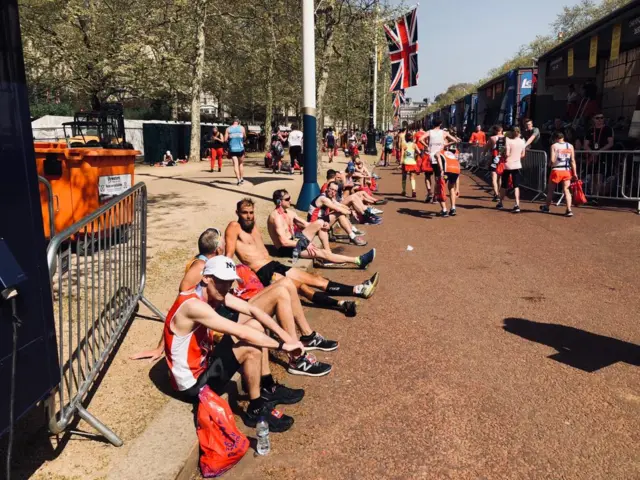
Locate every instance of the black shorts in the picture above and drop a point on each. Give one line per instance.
(452, 178)
(388, 150)
(436, 169)
(265, 274)
(516, 178)
(223, 365)
(239, 155)
(296, 154)
(301, 246)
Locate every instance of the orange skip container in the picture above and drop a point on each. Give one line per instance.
(82, 179)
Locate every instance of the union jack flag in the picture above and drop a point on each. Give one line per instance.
(402, 39)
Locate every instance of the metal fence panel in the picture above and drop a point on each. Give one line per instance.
(97, 268)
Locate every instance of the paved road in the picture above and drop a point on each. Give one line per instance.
(503, 346)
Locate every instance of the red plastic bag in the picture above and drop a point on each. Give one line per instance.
(579, 198)
(221, 443)
(441, 190)
(500, 168)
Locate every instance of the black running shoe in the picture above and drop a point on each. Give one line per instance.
(495, 198)
(349, 308)
(367, 258)
(278, 421)
(428, 199)
(516, 209)
(278, 394)
(499, 205)
(318, 342)
(308, 365)
(544, 209)
(443, 214)
(568, 213)
(452, 212)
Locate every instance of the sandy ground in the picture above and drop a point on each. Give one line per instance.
(501, 347)
(183, 201)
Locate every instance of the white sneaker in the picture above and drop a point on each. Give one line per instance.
(375, 211)
(357, 232)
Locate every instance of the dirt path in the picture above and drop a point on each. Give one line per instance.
(502, 346)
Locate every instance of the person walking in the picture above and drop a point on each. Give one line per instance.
(235, 136)
(295, 148)
(496, 147)
(330, 144)
(563, 169)
(515, 152)
(409, 164)
(217, 149)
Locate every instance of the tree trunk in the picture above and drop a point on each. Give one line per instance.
(268, 114)
(174, 105)
(196, 84)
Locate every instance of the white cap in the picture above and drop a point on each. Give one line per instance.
(168, 152)
(221, 267)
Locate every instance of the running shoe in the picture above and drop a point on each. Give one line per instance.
(357, 232)
(499, 206)
(219, 169)
(452, 212)
(516, 209)
(367, 289)
(376, 176)
(279, 394)
(404, 193)
(443, 214)
(413, 195)
(428, 199)
(211, 171)
(239, 182)
(358, 241)
(495, 198)
(544, 209)
(278, 421)
(349, 307)
(381, 202)
(376, 211)
(318, 342)
(568, 213)
(308, 365)
(367, 258)
(373, 220)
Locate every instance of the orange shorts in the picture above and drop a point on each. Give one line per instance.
(410, 168)
(558, 176)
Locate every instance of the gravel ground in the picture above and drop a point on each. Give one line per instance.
(502, 347)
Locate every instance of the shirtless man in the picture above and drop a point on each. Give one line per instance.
(194, 361)
(243, 239)
(289, 232)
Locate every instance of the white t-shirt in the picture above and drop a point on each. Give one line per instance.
(295, 138)
(514, 147)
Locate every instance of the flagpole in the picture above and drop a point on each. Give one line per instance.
(310, 188)
(371, 148)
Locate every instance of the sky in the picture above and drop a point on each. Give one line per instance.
(461, 40)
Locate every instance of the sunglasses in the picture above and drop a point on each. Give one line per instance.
(288, 199)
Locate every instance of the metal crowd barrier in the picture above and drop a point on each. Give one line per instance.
(534, 166)
(97, 268)
(608, 175)
(52, 221)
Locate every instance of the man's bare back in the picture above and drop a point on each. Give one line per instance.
(278, 221)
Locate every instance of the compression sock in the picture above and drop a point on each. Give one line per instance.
(335, 288)
(404, 183)
(413, 184)
(266, 381)
(324, 300)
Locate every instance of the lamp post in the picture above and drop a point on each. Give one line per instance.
(310, 188)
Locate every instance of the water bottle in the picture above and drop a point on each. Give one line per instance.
(296, 254)
(262, 432)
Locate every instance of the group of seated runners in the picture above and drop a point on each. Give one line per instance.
(218, 324)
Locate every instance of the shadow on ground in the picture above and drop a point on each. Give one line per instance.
(576, 348)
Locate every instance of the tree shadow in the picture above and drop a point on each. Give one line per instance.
(576, 348)
(211, 185)
(417, 213)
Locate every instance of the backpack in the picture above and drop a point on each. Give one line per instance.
(222, 445)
